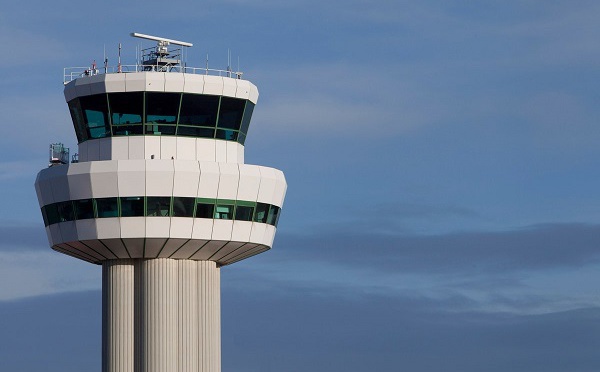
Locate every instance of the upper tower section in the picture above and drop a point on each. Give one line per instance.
(129, 111)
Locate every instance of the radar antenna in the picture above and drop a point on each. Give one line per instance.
(160, 58)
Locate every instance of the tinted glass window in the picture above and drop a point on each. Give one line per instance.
(52, 214)
(78, 123)
(199, 110)
(84, 209)
(244, 213)
(107, 207)
(126, 111)
(205, 210)
(65, 211)
(158, 206)
(195, 132)
(273, 215)
(230, 113)
(262, 212)
(183, 207)
(224, 212)
(95, 112)
(162, 108)
(247, 116)
(227, 134)
(132, 206)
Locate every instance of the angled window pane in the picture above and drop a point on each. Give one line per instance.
(78, 122)
(126, 111)
(205, 210)
(107, 207)
(162, 108)
(247, 116)
(224, 212)
(242, 138)
(95, 110)
(273, 215)
(199, 110)
(195, 132)
(262, 212)
(132, 206)
(244, 213)
(230, 113)
(84, 209)
(229, 135)
(65, 211)
(158, 206)
(183, 207)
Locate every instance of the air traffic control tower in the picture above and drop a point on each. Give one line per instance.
(160, 196)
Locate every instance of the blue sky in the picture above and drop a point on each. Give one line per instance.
(442, 209)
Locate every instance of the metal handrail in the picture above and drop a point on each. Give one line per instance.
(72, 73)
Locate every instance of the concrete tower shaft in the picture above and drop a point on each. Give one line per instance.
(161, 198)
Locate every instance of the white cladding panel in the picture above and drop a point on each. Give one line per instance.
(222, 230)
(86, 229)
(209, 180)
(55, 235)
(82, 150)
(80, 186)
(193, 84)
(253, 96)
(280, 188)
(257, 235)
(221, 151)
(119, 148)
(159, 177)
(186, 177)
(228, 181)
(155, 81)
(70, 91)
(213, 85)
(202, 228)
(44, 182)
(59, 183)
(232, 151)
(186, 148)
(174, 82)
(93, 150)
(68, 231)
(103, 178)
(131, 177)
(269, 235)
(97, 85)
(268, 180)
(152, 147)
(82, 87)
(115, 82)
(108, 228)
(229, 87)
(241, 231)
(168, 147)
(135, 82)
(136, 147)
(242, 89)
(205, 149)
(105, 145)
(249, 182)
(181, 227)
(133, 227)
(157, 227)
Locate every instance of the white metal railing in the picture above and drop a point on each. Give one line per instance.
(72, 73)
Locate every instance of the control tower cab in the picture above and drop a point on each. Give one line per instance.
(161, 197)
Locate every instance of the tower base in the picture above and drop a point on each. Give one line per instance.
(161, 315)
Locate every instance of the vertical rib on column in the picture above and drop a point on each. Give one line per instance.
(188, 316)
(117, 316)
(209, 316)
(158, 313)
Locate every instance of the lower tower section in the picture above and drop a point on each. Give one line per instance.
(161, 315)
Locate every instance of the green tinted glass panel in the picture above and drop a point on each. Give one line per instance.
(196, 132)
(242, 138)
(107, 207)
(199, 110)
(247, 116)
(230, 113)
(65, 211)
(205, 210)
(52, 214)
(95, 110)
(158, 206)
(183, 207)
(224, 212)
(132, 206)
(162, 108)
(84, 209)
(126, 112)
(273, 215)
(244, 213)
(262, 212)
(78, 122)
(227, 134)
